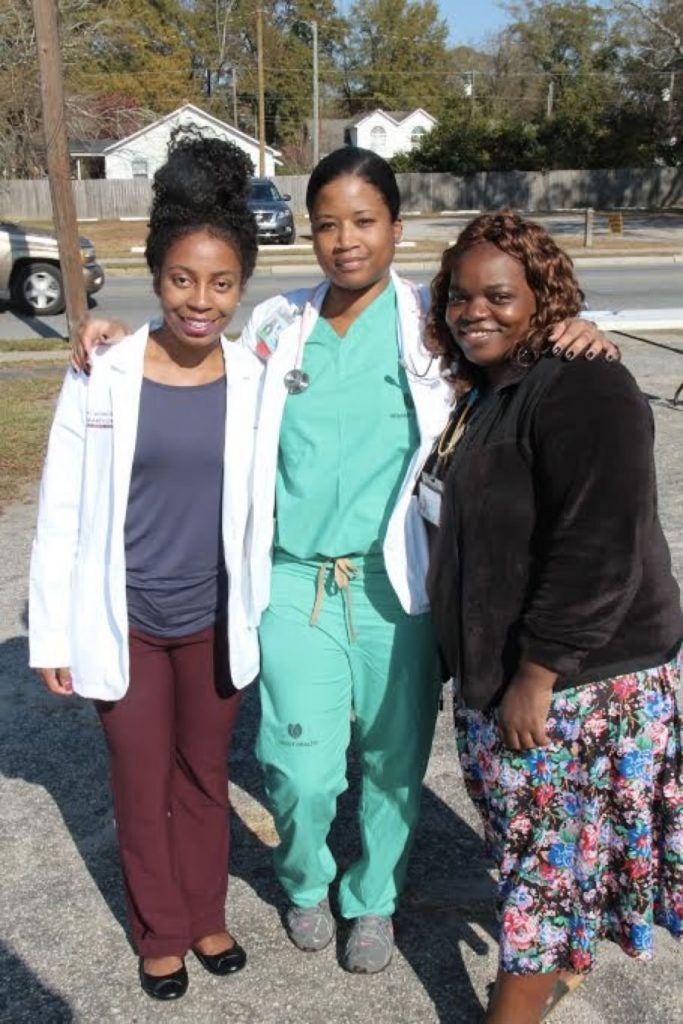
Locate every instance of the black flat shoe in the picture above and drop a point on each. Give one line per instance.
(227, 962)
(164, 986)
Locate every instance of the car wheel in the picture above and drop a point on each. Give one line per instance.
(290, 240)
(37, 289)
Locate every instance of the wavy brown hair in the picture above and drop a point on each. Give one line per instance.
(549, 273)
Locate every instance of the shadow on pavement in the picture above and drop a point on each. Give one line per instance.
(250, 856)
(43, 327)
(40, 326)
(57, 744)
(448, 887)
(24, 997)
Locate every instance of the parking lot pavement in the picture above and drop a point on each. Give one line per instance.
(64, 955)
(641, 226)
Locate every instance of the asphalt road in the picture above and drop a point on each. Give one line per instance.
(130, 297)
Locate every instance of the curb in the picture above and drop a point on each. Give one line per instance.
(430, 263)
(617, 261)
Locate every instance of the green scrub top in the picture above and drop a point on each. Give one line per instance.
(346, 442)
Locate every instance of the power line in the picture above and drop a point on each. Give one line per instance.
(440, 74)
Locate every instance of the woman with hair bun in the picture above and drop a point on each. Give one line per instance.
(137, 572)
(558, 615)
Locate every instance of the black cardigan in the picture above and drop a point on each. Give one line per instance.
(550, 548)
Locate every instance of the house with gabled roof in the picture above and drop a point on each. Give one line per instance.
(386, 132)
(139, 155)
(389, 132)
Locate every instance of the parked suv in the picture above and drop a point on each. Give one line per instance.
(30, 274)
(274, 218)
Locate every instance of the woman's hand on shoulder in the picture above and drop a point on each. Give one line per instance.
(92, 333)
(577, 337)
(57, 680)
(525, 706)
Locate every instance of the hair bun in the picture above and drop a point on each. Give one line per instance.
(201, 172)
(204, 184)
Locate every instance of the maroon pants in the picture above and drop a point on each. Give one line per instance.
(168, 741)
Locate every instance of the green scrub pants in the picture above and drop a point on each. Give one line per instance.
(312, 678)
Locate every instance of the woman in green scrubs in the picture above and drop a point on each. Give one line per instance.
(345, 446)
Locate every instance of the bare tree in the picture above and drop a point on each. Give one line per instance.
(657, 60)
(100, 101)
(661, 44)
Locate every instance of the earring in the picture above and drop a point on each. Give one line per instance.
(525, 356)
(450, 372)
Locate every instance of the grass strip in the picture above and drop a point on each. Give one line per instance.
(34, 345)
(36, 366)
(26, 411)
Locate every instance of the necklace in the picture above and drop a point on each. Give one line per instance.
(445, 450)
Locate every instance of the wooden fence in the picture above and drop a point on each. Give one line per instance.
(651, 188)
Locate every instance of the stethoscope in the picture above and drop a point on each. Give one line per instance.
(297, 381)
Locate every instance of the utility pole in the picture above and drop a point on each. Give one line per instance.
(316, 96)
(668, 97)
(234, 97)
(261, 95)
(550, 98)
(57, 147)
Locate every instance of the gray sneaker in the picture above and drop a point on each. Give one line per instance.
(311, 928)
(370, 945)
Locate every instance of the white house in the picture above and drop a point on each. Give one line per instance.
(390, 132)
(141, 154)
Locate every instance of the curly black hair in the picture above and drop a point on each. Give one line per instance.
(549, 273)
(204, 184)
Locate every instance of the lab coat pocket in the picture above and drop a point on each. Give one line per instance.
(97, 667)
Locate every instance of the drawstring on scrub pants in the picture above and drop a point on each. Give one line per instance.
(344, 571)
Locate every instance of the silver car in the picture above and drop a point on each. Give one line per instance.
(274, 217)
(30, 272)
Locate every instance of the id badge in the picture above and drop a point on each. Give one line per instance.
(268, 334)
(429, 494)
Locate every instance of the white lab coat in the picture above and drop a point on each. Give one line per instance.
(405, 545)
(77, 608)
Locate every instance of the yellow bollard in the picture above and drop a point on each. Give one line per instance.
(615, 223)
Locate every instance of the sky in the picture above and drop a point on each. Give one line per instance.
(471, 22)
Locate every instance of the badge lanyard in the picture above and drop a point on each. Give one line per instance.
(430, 486)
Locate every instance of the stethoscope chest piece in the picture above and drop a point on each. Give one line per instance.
(296, 381)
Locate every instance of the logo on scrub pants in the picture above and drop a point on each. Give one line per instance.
(293, 738)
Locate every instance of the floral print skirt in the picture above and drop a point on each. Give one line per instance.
(587, 833)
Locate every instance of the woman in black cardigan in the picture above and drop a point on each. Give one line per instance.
(559, 618)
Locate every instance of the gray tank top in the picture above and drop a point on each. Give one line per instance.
(175, 570)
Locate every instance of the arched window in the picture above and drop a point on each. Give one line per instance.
(378, 139)
(416, 136)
